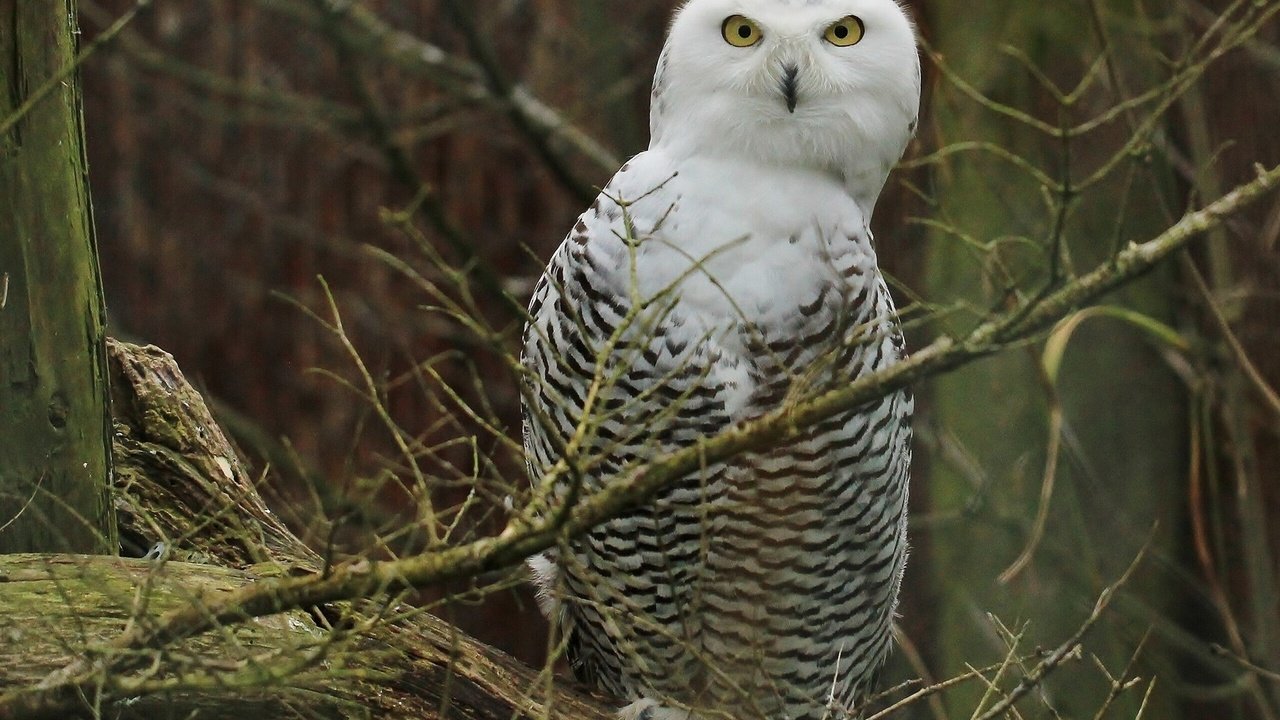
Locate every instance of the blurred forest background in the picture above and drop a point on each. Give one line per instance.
(240, 149)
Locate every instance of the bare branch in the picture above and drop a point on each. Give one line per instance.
(523, 537)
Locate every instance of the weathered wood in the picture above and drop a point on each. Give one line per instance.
(178, 479)
(54, 455)
(56, 607)
(180, 482)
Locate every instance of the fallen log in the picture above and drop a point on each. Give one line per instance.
(180, 482)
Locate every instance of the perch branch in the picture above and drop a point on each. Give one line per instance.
(521, 538)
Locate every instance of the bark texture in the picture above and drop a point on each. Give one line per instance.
(179, 481)
(54, 457)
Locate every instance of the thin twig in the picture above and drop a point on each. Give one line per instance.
(369, 35)
(1237, 350)
(1246, 663)
(1052, 453)
(525, 536)
(1063, 652)
(57, 79)
(538, 135)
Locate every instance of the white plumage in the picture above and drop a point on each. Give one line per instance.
(722, 273)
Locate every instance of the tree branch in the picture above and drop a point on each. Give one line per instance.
(365, 578)
(179, 481)
(368, 35)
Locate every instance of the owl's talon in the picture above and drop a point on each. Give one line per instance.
(650, 709)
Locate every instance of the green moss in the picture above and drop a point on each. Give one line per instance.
(55, 458)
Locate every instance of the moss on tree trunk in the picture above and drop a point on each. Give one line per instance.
(54, 447)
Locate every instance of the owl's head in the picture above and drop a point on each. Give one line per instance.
(832, 85)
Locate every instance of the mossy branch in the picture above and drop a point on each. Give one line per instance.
(522, 537)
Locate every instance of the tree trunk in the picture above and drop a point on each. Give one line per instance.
(55, 453)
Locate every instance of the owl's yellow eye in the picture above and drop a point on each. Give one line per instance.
(740, 32)
(845, 32)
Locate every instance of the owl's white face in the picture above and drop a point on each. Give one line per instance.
(832, 85)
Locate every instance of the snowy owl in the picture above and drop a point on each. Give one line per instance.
(722, 274)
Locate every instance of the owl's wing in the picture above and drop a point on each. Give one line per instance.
(622, 378)
(606, 359)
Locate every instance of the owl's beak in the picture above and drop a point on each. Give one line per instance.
(790, 83)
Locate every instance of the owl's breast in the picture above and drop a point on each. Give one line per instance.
(727, 242)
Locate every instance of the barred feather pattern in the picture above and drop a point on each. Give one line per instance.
(765, 586)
